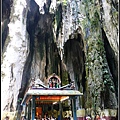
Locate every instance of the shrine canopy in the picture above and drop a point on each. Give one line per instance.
(51, 93)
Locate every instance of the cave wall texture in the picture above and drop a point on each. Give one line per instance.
(76, 39)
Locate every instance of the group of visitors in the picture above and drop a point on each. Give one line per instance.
(46, 117)
(97, 117)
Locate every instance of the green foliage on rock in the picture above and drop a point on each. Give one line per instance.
(95, 21)
(64, 2)
(64, 78)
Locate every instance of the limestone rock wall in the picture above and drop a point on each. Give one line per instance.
(14, 54)
(72, 38)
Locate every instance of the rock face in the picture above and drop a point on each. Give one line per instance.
(77, 40)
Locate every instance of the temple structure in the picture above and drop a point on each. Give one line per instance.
(40, 100)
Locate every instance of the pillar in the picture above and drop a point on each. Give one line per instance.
(33, 108)
(60, 111)
(29, 110)
(74, 108)
(26, 110)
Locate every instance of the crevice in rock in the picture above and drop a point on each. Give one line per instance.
(58, 19)
(47, 6)
(4, 34)
(33, 16)
(74, 54)
(6, 107)
(115, 4)
(112, 61)
(6, 10)
(12, 74)
(84, 80)
(44, 36)
(25, 77)
(11, 106)
(47, 53)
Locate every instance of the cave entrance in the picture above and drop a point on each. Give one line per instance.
(44, 100)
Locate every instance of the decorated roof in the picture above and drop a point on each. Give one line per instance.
(53, 89)
(53, 92)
